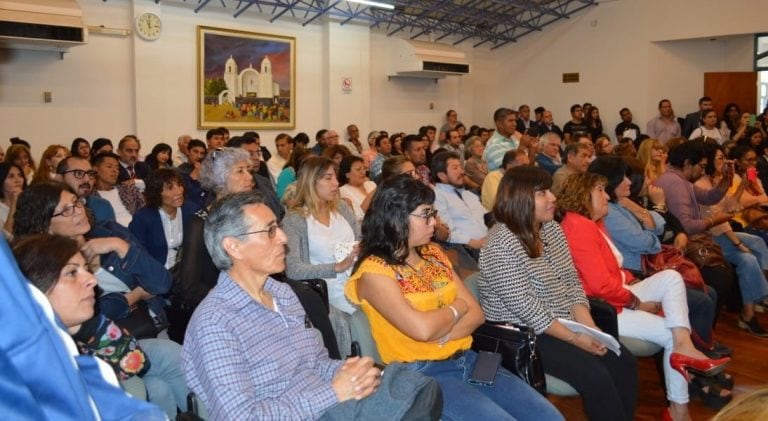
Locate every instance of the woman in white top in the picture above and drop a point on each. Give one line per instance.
(322, 231)
(355, 186)
(12, 183)
(708, 128)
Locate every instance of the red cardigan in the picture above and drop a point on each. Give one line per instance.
(595, 263)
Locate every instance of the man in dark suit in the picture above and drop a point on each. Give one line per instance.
(693, 120)
(132, 171)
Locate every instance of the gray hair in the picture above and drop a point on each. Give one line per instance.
(217, 166)
(468, 145)
(544, 139)
(227, 219)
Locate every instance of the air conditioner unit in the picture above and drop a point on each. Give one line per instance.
(48, 25)
(428, 59)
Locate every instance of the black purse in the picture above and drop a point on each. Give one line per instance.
(517, 346)
(140, 323)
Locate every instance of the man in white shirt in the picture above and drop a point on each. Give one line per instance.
(125, 199)
(460, 209)
(180, 156)
(284, 146)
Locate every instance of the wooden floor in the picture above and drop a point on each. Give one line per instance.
(749, 367)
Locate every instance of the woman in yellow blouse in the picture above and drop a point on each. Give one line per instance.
(422, 314)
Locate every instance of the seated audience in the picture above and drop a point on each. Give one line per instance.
(603, 145)
(80, 147)
(475, 167)
(125, 198)
(752, 198)
(527, 277)
(634, 231)
(576, 162)
(415, 149)
(384, 149)
(748, 253)
(547, 124)
(160, 157)
(12, 183)
(504, 138)
(77, 173)
(160, 225)
(278, 370)
(638, 303)
(654, 157)
(261, 183)
(549, 157)
(180, 157)
(461, 210)
(19, 154)
(147, 368)
(322, 231)
(356, 188)
(128, 276)
(284, 145)
(513, 158)
(131, 170)
(288, 174)
(626, 128)
(190, 172)
(100, 145)
(708, 128)
(52, 155)
(421, 313)
(32, 390)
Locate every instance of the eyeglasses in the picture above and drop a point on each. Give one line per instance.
(79, 174)
(271, 231)
(428, 215)
(69, 210)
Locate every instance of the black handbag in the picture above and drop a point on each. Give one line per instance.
(517, 346)
(140, 323)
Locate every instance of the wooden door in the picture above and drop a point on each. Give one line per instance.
(738, 87)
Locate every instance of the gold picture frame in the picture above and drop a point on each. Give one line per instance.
(245, 80)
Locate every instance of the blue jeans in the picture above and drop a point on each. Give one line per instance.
(509, 398)
(701, 311)
(749, 266)
(165, 382)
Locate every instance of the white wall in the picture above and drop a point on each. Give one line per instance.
(629, 53)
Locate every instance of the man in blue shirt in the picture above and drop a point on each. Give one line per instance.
(460, 209)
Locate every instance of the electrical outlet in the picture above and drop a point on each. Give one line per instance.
(47, 96)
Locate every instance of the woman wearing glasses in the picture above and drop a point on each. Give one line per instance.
(421, 313)
(224, 171)
(127, 274)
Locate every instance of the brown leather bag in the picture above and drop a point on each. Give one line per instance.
(756, 217)
(703, 250)
(671, 258)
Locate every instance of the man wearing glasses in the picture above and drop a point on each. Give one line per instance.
(78, 174)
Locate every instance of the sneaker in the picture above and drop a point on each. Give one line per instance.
(752, 327)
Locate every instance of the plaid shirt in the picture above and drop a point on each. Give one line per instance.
(248, 362)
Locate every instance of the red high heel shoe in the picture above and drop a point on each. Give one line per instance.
(705, 367)
(667, 414)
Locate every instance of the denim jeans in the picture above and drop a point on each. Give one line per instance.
(701, 311)
(165, 382)
(509, 398)
(749, 266)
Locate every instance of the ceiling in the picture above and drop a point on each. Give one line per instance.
(492, 23)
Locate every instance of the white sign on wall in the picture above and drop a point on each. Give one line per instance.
(346, 85)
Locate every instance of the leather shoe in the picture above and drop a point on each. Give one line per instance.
(705, 367)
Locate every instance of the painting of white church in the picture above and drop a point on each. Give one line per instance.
(246, 80)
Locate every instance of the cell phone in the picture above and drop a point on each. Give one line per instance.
(752, 174)
(486, 367)
(752, 119)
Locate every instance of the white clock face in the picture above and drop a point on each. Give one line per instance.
(149, 26)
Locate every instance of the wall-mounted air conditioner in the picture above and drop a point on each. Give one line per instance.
(428, 59)
(48, 25)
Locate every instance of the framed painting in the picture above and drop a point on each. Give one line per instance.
(246, 80)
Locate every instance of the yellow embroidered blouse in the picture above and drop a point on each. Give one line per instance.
(427, 287)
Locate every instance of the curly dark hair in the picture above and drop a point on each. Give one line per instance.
(36, 206)
(385, 226)
(577, 193)
(614, 169)
(156, 182)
